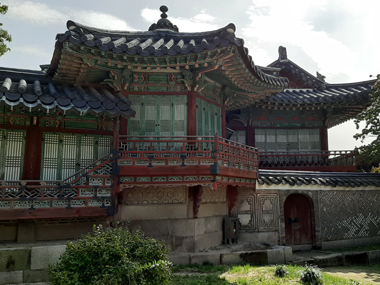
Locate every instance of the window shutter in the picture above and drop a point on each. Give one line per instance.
(50, 157)
(293, 144)
(315, 143)
(15, 144)
(282, 140)
(271, 140)
(304, 140)
(150, 104)
(180, 116)
(104, 146)
(69, 155)
(87, 151)
(165, 116)
(260, 139)
(134, 123)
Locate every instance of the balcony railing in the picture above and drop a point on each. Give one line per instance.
(188, 150)
(228, 157)
(341, 160)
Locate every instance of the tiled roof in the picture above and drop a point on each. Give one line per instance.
(160, 42)
(332, 93)
(332, 179)
(33, 90)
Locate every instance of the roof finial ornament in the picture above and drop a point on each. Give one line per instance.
(163, 24)
(164, 9)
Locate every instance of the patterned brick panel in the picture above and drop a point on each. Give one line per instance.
(155, 195)
(211, 196)
(349, 214)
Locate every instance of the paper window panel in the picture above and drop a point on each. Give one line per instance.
(14, 155)
(260, 139)
(282, 140)
(270, 140)
(50, 157)
(304, 138)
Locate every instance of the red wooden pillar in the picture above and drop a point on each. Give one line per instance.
(324, 139)
(224, 122)
(250, 135)
(33, 152)
(192, 113)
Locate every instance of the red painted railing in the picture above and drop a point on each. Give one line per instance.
(186, 150)
(335, 160)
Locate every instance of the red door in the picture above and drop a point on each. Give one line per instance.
(298, 220)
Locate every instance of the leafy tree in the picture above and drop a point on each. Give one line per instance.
(370, 154)
(4, 36)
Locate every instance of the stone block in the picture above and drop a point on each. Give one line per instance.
(329, 260)
(43, 256)
(374, 257)
(184, 244)
(210, 210)
(356, 258)
(259, 257)
(26, 233)
(8, 232)
(14, 259)
(337, 244)
(213, 224)
(12, 277)
(34, 276)
(47, 232)
(258, 237)
(200, 226)
(204, 242)
(210, 257)
(288, 254)
(153, 212)
(181, 259)
(182, 227)
(154, 228)
(231, 258)
(276, 256)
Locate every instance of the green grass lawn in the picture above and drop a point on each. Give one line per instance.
(246, 274)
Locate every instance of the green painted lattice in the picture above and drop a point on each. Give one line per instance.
(65, 154)
(158, 115)
(209, 119)
(12, 149)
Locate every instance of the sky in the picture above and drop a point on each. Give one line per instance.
(337, 38)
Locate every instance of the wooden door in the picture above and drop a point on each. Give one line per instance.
(298, 220)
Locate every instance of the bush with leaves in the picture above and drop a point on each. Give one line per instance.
(311, 275)
(113, 256)
(281, 270)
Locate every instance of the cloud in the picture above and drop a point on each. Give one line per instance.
(198, 23)
(31, 50)
(43, 15)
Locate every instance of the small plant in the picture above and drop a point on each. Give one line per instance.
(353, 282)
(281, 270)
(113, 256)
(311, 275)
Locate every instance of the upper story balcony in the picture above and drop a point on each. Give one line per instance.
(333, 160)
(190, 160)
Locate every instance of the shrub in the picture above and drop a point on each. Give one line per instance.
(281, 271)
(311, 275)
(113, 256)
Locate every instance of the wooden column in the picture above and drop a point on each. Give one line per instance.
(123, 121)
(192, 113)
(250, 135)
(33, 152)
(224, 122)
(324, 138)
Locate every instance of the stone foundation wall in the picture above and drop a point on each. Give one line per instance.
(185, 223)
(46, 230)
(27, 264)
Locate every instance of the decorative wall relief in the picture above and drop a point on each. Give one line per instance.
(267, 211)
(349, 214)
(155, 195)
(212, 196)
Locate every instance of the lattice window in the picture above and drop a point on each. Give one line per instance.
(292, 140)
(209, 119)
(158, 115)
(65, 154)
(239, 136)
(12, 147)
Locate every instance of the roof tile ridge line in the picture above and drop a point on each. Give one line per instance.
(251, 65)
(299, 67)
(267, 172)
(72, 24)
(351, 84)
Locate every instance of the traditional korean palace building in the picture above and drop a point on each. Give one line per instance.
(174, 131)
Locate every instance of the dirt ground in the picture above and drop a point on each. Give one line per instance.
(354, 274)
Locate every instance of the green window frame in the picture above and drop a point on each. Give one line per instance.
(158, 115)
(209, 119)
(287, 140)
(64, 154)
(12, 150)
